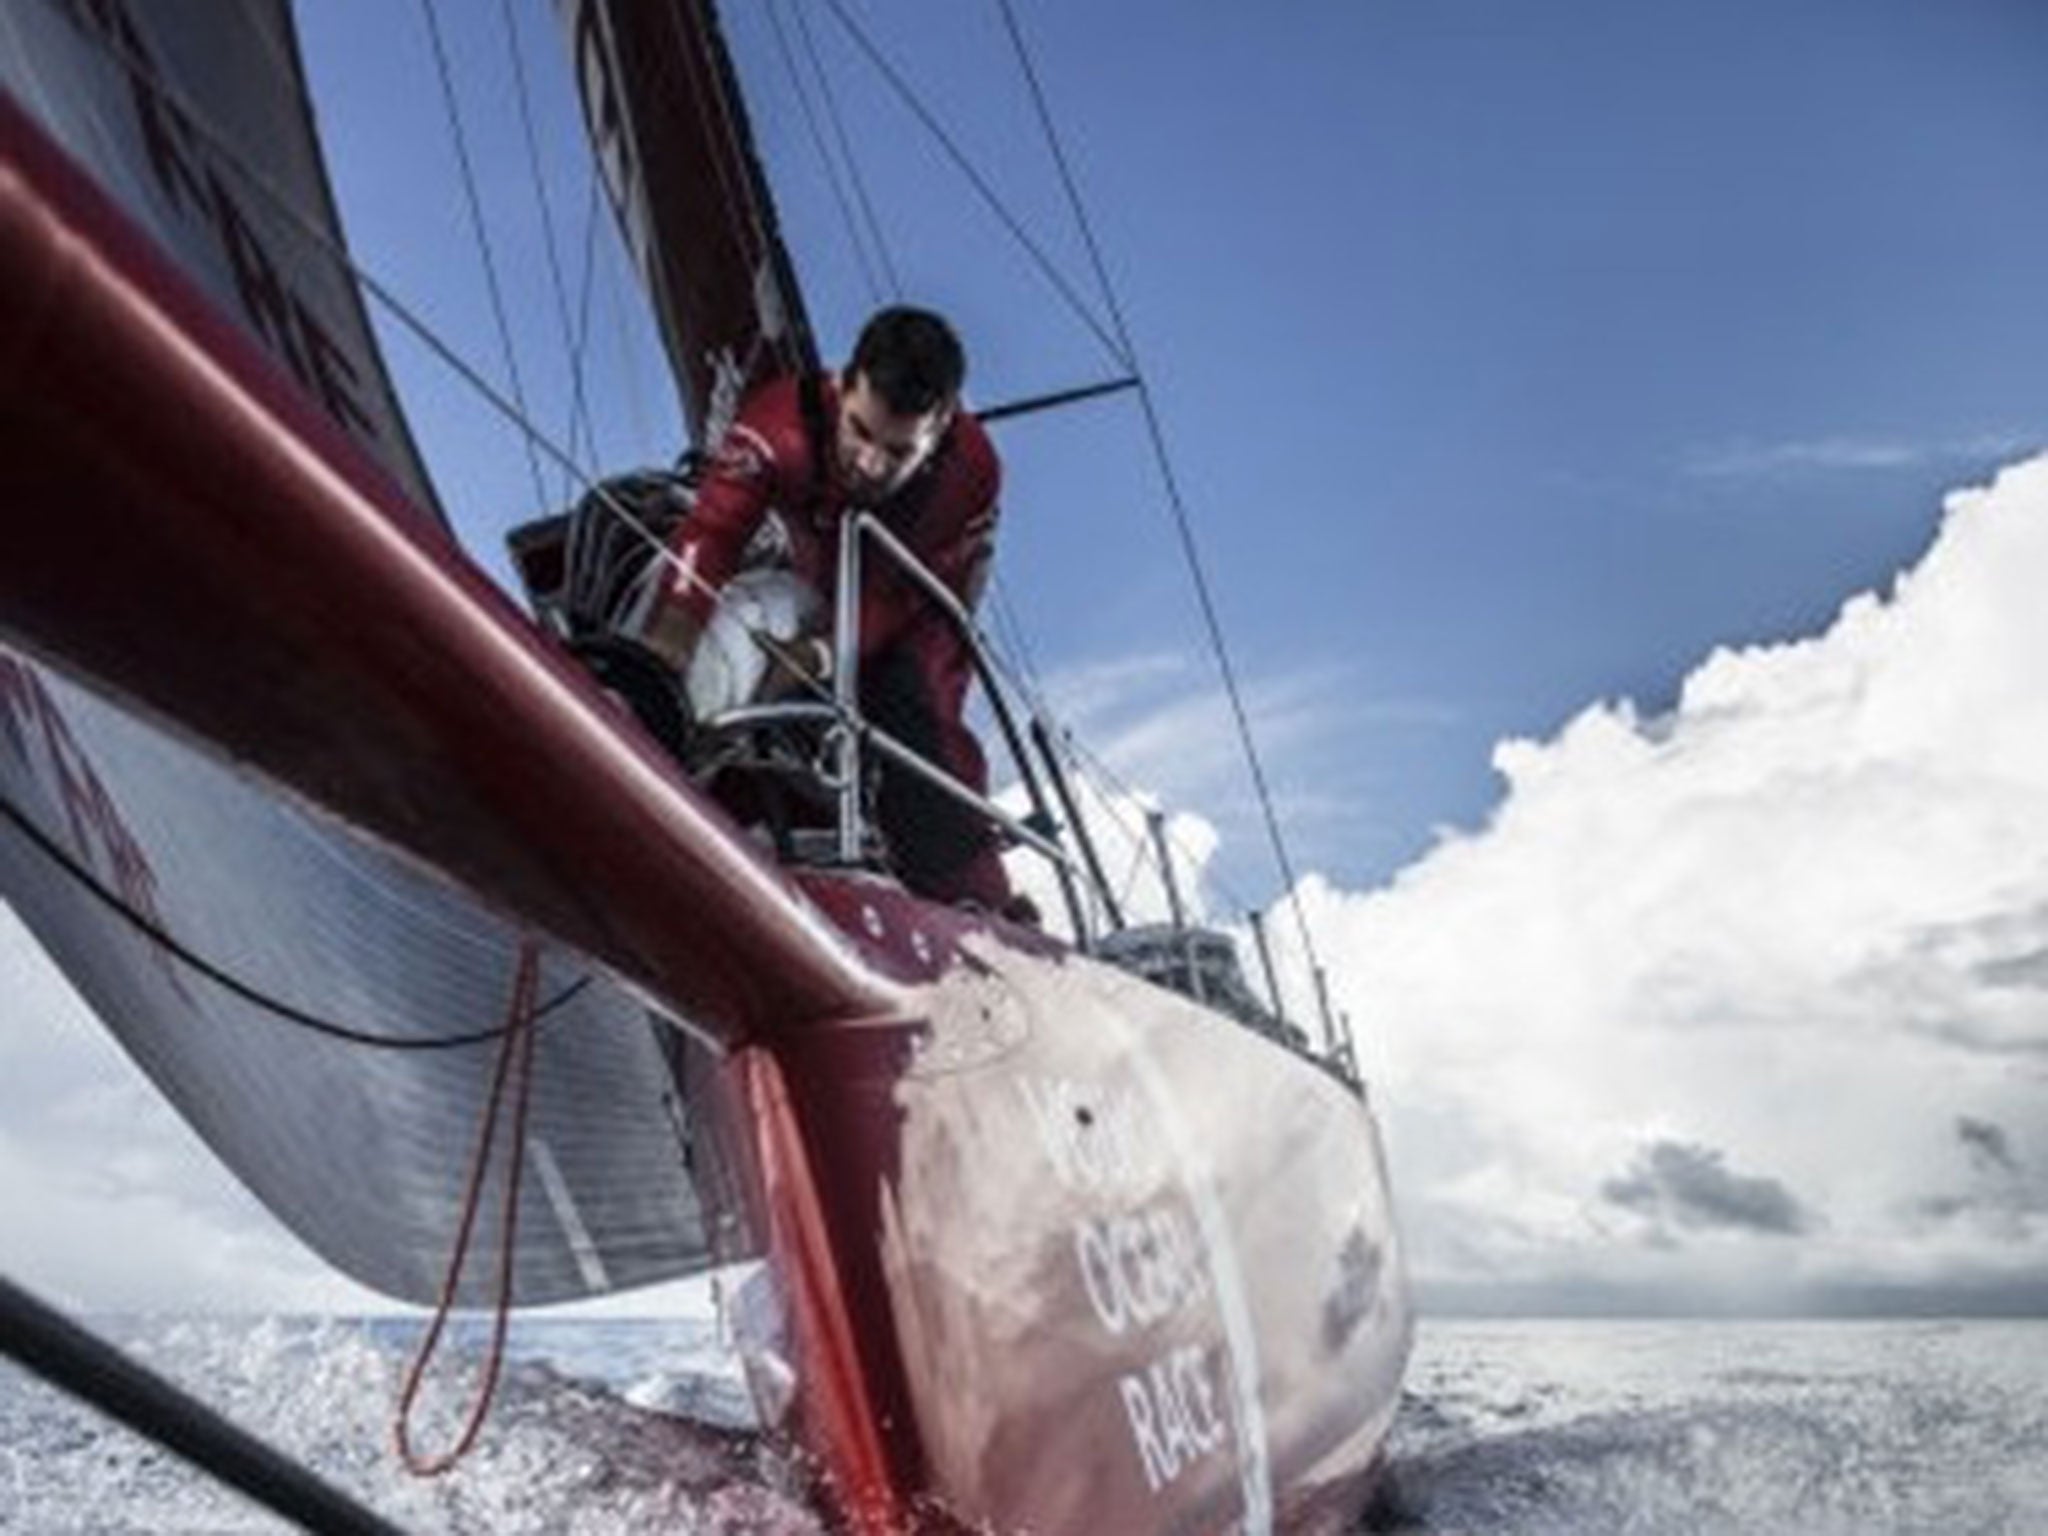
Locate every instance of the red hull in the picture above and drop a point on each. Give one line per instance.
(1110, 1261)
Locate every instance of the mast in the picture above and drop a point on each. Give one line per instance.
(1155, 824)
(1258, 922)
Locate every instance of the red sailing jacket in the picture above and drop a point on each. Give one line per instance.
(766, 460)
(946, 513)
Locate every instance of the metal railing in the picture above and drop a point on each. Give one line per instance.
(851, 734)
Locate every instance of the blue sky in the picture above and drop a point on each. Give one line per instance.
(1512, 357)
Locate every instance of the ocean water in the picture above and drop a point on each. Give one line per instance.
(1702, 1426)
(1512, 1427)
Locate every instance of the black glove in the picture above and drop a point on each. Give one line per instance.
(643, 682)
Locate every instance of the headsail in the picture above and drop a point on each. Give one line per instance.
(363, 1149)
(195, 118)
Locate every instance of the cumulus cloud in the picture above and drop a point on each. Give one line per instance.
(1116, 822)
(1673, 1184)
(1986, 1143)
(1798, 920)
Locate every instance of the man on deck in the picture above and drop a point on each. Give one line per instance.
(885, 435)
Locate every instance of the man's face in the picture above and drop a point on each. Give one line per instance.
(879, 448)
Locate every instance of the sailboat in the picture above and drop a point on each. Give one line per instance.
(472, 980)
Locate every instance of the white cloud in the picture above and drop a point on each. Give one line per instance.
(1159, 730)
(1796, 930)
(1163, 722)
(1116, 822)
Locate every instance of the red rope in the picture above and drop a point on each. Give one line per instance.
(515, 1059)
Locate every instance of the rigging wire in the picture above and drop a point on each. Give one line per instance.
(512, 411)
(838, 121)
(228, 982)
(1140, 853)
(1091, 762)
(1182, 523)
(860, 250)
(1007, 621)
(1120, 349)
(537, 443)
(483, 240)
(579, 346)
(579, 406)
(1005, 615)
(315, 231)
(572, 543)
(1030, 685)
(637, 409)
(980, 184)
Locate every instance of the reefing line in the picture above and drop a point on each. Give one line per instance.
(514, 1072)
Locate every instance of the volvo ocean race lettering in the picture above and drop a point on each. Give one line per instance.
(1096, 1139)
(1173, 1413)
(1140, 1266)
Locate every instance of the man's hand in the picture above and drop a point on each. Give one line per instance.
(796, 666)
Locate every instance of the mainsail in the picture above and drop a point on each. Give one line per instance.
(671, 141)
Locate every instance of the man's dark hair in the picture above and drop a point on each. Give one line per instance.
(911, 358)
